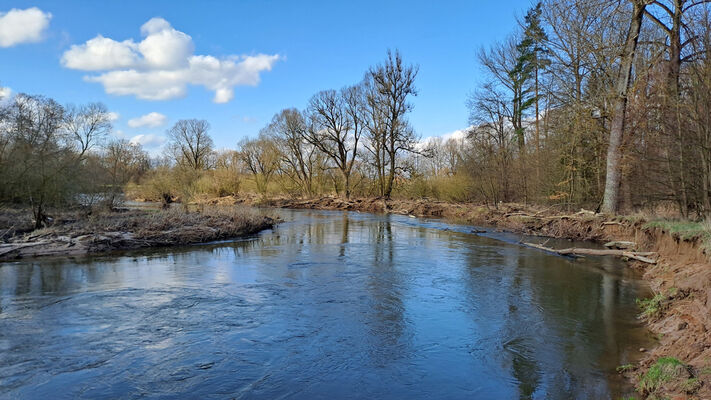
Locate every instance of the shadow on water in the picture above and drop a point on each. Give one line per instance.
(326, 305)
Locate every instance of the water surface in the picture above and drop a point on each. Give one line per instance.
(327, 305)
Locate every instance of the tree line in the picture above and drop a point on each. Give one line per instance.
(58, 156)
(599, 104)
(356, 138)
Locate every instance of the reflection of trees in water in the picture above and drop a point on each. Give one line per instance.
(385, 320)
(554, 319)
(521, 314)
(498, 290)
(575, 308)
(344, 235)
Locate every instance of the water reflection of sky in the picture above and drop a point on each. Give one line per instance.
(327, 305)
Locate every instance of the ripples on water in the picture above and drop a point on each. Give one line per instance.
(328, 305)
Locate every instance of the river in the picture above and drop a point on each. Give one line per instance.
(327, 305)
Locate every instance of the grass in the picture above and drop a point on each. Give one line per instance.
(665, 370)
(625, 368)
(652, 307)
(685, 230)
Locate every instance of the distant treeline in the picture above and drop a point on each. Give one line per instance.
(601, 104)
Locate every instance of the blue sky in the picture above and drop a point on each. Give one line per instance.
(294, 48)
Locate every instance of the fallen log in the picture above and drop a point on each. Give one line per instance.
(621, 244)
(578, 251)
(639, 257)
(10, 247)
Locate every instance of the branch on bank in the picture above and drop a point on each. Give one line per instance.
(577, 252)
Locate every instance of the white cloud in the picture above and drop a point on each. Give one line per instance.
(162, 65)
(23, 26)
(458, 134)
(5, 94)
(148, 140)
(150, 120)
(113, 116)
(101, 53)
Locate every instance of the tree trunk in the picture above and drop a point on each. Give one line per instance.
(347, 183)
(614, 151)
(391, 173)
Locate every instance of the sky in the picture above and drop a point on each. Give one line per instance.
(237, 63)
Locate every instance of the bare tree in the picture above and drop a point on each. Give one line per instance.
(261, 157)
(335, 126)
(299, 157)
(190, 143)
(610, 202)
(88, 125)
(491, 135)
(123, 162)
(40, 154)
(394, 82)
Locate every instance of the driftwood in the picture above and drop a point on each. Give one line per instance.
(9, 248)
(577, 251)
(621, 244)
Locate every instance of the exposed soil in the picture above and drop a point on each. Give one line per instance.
(681, 277)
(79, 234)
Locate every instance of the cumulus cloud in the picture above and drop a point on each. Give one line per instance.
(148, 140)
(150, 120)
(457, 134)
(162, 65)
(113, 116)
(23, 26)
(101, 53)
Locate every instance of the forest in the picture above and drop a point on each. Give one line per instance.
(604, 105)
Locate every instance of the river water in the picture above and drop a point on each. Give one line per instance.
(327, 305)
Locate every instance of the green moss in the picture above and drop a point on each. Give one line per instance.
(664, 370)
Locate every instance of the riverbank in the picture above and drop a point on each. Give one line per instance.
(679, 314)
(79, 234)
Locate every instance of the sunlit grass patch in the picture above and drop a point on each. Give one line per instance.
(652, 307)
(667, 370)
